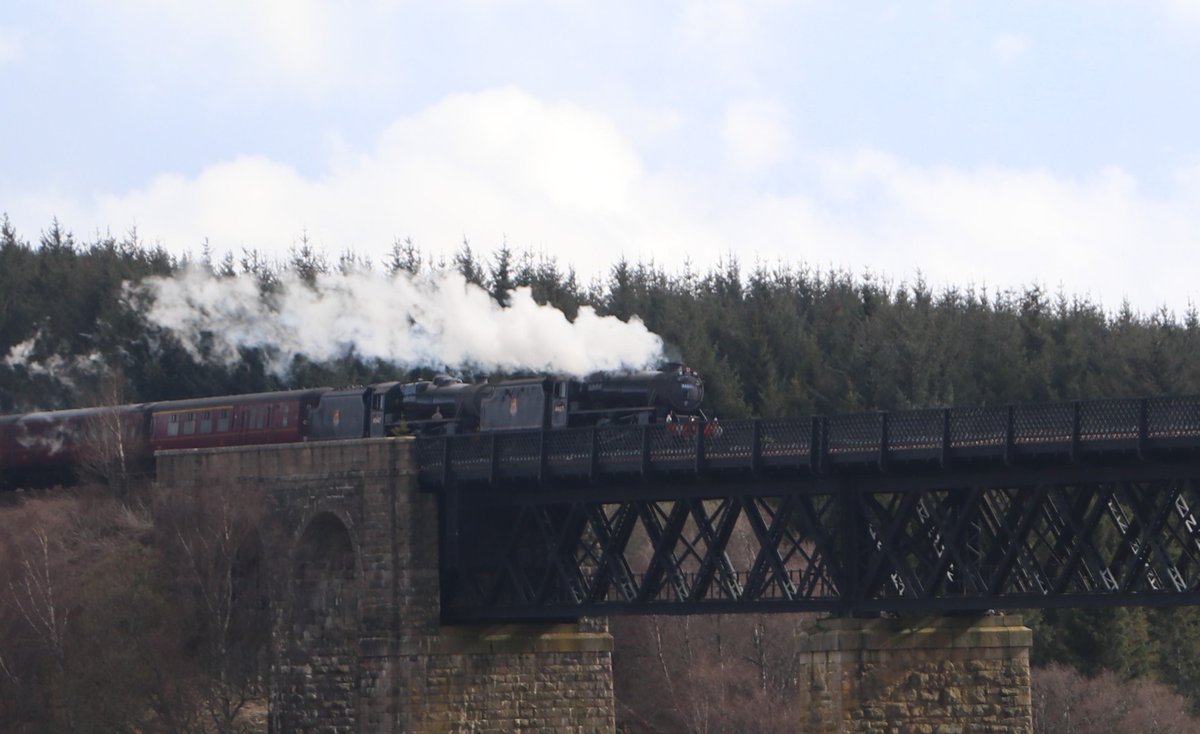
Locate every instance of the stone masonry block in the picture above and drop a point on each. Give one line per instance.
(926, 674)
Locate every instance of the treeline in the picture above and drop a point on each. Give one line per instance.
(768, 339)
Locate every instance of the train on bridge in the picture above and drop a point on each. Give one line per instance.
(38, 449)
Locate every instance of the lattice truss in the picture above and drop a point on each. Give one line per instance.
(1032, 545)
(640, 553)
(851, 550)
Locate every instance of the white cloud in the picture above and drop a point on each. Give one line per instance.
(1100, 235)
(756, 135)
(558, 177)
(1008, 47)
(480, 165)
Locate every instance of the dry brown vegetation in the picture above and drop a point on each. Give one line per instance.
(1066, 701)
(718, 673)
(124, 615)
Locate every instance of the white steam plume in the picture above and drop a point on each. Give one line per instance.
(58, 368)
(438, 321)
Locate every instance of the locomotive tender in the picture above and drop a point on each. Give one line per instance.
(48, 447)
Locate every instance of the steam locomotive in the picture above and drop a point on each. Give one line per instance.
(50, 447)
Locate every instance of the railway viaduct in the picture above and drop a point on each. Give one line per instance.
(360, 643)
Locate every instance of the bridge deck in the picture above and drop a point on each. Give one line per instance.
(905, 441)
(1079, 503)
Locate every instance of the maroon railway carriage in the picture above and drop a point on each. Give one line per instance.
(50, 447)
(52, 444)
(240, 420)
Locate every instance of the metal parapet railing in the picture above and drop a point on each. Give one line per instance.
(818, 445)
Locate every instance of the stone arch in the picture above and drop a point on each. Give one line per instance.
(249, 610)
(325, 574)
(322, 649)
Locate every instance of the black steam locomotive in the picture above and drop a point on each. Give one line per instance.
(38, 448)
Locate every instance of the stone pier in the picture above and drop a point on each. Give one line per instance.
(934, 675)
(357, 642)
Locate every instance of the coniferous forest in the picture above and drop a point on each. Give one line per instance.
(769, 339)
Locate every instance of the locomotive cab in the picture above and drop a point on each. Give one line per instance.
(386, 408)
(445, 405)
(560, 403)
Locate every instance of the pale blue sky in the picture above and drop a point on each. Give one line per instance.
(984, 143)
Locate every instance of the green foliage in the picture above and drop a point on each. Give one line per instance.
(63, 300)
(1119, 639)
(1177, 634)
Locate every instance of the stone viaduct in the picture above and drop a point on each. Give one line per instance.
(358, 644)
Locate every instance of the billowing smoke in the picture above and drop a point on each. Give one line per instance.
(62, 369)
(435, 321)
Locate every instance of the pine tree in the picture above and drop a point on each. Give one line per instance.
(307, 262)
(405, 257)
(501, 281)
(467, 266)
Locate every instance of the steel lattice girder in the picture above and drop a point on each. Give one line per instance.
(1119, 542)
(856, 545)
(556, 557)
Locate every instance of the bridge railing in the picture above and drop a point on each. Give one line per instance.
(818, 444)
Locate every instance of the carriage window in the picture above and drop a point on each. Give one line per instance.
(284, 416)
(255, 418)
(267, 422)
(223, 420)
(189, 424)
(206, 422)
(173, 424)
